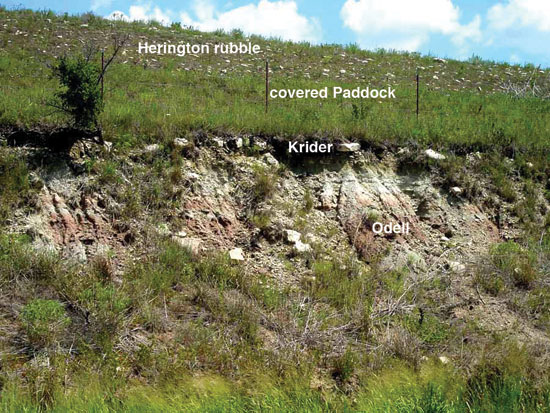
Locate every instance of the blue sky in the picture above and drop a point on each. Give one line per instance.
(516, 31)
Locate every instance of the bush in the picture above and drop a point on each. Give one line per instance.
(265, 183)
(44, 321)
(345, 285)
(19, 262)
(81, 97)
(14, 183)
(516, 262)
(106, 307)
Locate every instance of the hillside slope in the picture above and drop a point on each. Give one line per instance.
(184, 260)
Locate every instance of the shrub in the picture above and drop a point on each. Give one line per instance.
(308, 201)
(19, 262)
(344, 366)
(265, 182)
(516, 262)
(491, 283)
(44, 321)
(346, 285)
(14, 183)
(81, 97)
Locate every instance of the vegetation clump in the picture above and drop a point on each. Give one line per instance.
(81, 95)
(44, 321)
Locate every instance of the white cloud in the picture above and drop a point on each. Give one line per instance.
(526, 13)
(268, 18)
(406, 24)
(521, 26)
(100, 4)
(142, 13)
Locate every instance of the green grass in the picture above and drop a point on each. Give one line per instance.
(15, 187)
(175, 332)
(165, 97)
(182, 333)
(433, 388)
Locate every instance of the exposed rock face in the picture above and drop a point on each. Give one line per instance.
(214, 212)
(376, 200)
(80, 229)
(327, 197)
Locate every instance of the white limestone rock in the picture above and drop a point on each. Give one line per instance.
(430, 153)
(348, 147)
(181, 142)
(300, 247)
(236, 254)
(291, 236)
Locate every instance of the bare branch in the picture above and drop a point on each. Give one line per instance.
(119, 41)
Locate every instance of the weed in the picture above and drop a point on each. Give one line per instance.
(44, 322)
(345, 285)
(261, 220)
(14, 183)
(308, 201)
(265, 183)
(516, 262)
(344, 366)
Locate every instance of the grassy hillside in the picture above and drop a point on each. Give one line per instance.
(153, 97)
(106, 305)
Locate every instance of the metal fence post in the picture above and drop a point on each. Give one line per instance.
(417, 94)
(102, 71)
(266, 84)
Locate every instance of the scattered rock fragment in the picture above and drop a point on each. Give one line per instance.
(456, 266)
(348, 147)
(430, 153)
(444, 359)
(236, 254)
(235, 143)
(218, 142)
(291, 236)
(456, 190)
(181, 142)
(270, 160)
(300, 247)
(191, 244)
(152, 148)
